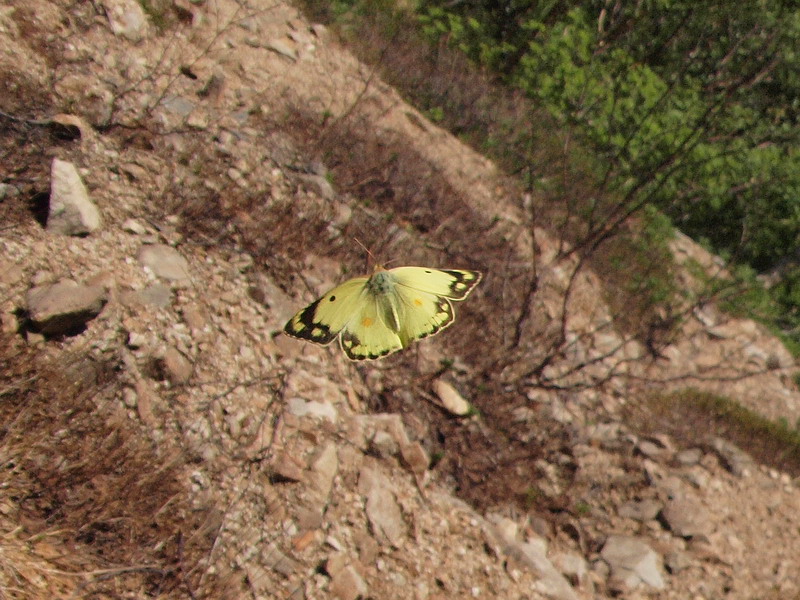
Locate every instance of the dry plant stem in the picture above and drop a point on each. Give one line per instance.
(530, 290)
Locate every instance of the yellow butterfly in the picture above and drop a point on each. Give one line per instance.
(375, 316)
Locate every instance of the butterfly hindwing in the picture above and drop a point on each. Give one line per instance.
(423, 314)
(371, 333)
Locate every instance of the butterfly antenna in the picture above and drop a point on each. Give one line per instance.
(370, 256)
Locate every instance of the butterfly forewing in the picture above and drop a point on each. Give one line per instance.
(450, 283)
(322, 321)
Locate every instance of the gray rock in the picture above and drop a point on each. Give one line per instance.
(574, 567)
(134, 226)
(677, 561)
(177, 367)
(60, 307)
(301, 408)
(501, 532)
(384, 445)
(415, 456)
(347, 584)
(278, 561)
(322, 470)
(71, 211)
(282, 48)
(734, 459)
(686, 517)
(126, 18)
(650, 449)
(165, 262)
(643, 510)
(383, 512)
(157, 295)
(551, 582)
(633, 562)
(689, 457)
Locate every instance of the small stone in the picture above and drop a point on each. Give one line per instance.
(335, 563)
(322, 471)
(644, 510)
(177, 367)
(334, 543)
(195, 318)
(734, 459)
(677, 561)
(416, 457)
(146, 397)
(126, 18)
(165, 262)
(689, 457)
(286, 468)
(302, 408)
(157, 295)
(279, 562)
(129, 397)
(64, 306)
(452, 401)
(574, 567)
(650, 449)
(383, 444)
(686, 517)
(632, 562)
(137, 340)
(368, 548)
(71, 211)
(304, 540)
(347, 584)
(10, 273)
(384, 515)
(282, 48)
(134, 226)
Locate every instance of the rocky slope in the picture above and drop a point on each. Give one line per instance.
(176, 187)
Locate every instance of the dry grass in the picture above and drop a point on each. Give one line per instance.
(692, 417)
(88, 505)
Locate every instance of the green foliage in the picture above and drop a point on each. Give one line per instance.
(692, 107)
(157, 11)
(582, 508)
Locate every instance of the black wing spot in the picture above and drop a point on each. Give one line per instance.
(304, 326)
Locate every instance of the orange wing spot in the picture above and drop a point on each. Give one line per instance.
(418, 301)
(367, 322)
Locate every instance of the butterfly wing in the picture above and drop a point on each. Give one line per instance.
(455, 284)
(423, 296)
(323, 320)
(372, 332)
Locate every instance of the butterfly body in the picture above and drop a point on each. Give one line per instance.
(377, 315)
